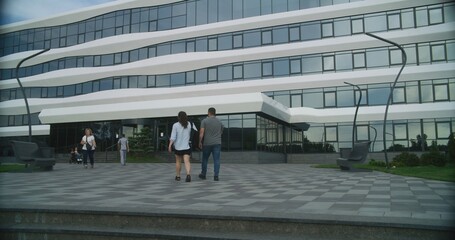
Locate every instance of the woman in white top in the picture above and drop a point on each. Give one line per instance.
(88, 147)
(180, 138)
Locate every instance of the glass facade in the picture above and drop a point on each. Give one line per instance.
(251, 131)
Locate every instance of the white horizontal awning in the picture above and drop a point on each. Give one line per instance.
(225, 104)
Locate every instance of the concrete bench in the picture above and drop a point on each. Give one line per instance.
(31, 154)
(358, 155)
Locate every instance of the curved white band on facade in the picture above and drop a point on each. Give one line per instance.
(15, 131)
(383, 75)
(132, 41)
(196, 60)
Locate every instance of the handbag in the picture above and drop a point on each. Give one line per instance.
(87, 145)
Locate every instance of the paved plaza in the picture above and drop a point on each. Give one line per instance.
(275, 190)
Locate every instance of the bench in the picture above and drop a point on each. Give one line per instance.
(31, 154)
(358, 155)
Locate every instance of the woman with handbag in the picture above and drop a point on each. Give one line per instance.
(180, 141)
(88, 147)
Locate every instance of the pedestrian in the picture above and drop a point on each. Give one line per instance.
(180, 143)
(123, 147)
(88, 147)
(210, 142)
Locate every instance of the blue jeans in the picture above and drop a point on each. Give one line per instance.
(88, 154)
(206, 151)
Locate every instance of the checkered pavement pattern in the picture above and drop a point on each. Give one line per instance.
(295, 190)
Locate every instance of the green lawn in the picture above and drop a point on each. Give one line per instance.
(446, 173)
(14, 167)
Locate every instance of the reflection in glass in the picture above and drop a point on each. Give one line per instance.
(393, 21)
(331, 134)
(311, 64)
(329, 63)
(441, 92)
(330, 99)
(375, 23)
(359, 60)
(327, 29)
(443, 130)
(435, 15)
(438, 52)
(343, 61)
(400, 131)
(399, 95)
(342, 27)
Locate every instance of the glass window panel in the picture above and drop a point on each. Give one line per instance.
(375, 23)
(294, 34)
(178, 22)
(422, 16)
(116, 84)
(427, 92)
(201, 12)
(449, 8)
(163, 80)
(281, 67)
(296, 66)
(424, 53)
(395, 57)
(345, 98)
(357, 25)
(238, 71)
(438, 53)
(201, 76)
(343, 61)
(212, 74)
(107, 60)
(266, 37)
(452, 90)
(190, 46)
(225, 42)
(393, 21)
(443, 130)
(280, 35)
(450, 50)
(165, 24)
(296, 100)
(310, 31)
(238, 41)
(224, 10)
(105, 84)
(400, 131)
(177, 47)
(267, 69)
(331, 134)
(330, 99)
(191, 13)
(312, 64)
(252, 70)
(441, 92)
(132, 82)
(407, 19)
(377, 58)
(378, 96)
(399, 95)
(237, 9)
(251, 8)
(314, 99)
(151, 81)
(329, 63)
(411, 56)
(213, 11)
(252, 39)
(359, 60)
(283, 99)
(225, 73)
(309, 4)
(342, 28)
(327, 29)
(362, 133)
(429, 130)
(412, 93)
(177, 79)
(162, 49)
(190, 77)
(279, 6)
(178, 9)
(436, 15)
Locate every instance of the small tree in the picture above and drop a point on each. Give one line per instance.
(142, 142)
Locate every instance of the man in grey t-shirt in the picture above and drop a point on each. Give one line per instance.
(210, 142)
(123, 147)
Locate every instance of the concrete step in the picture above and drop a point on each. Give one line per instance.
(84, 224)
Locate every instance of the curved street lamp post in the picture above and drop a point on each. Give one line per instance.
(23, 91)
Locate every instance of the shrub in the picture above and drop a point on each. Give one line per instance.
(451, 148)
(434, 157)
(406, 159)
(376, 163)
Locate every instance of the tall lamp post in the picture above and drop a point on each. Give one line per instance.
(404, 59)
(23, 90)
(354, 125)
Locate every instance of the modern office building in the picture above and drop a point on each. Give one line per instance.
(275, 70)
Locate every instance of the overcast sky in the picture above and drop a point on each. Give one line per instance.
(19, 10)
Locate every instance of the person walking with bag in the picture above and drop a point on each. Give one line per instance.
(180, 139)
(210, 142)
(88, 147)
